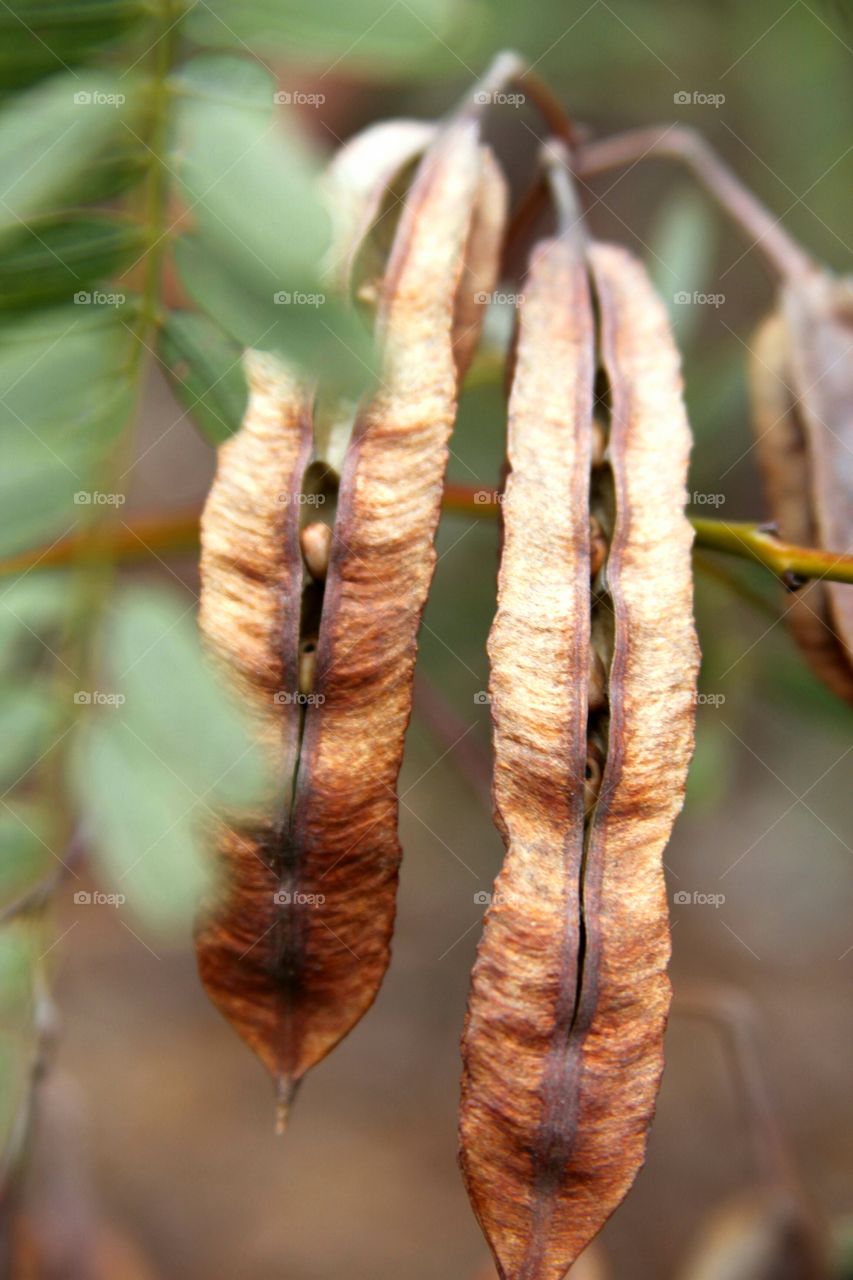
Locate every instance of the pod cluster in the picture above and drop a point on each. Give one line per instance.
(317, 555)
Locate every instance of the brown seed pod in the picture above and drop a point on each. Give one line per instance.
(299, 945)
(359, 180)
(802, 392)
(562, 1046)
(482, 260)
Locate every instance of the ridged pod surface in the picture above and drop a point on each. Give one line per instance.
(295, 950)
(562, 1046)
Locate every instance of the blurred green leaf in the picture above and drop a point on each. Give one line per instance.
(25, 853)
(682, 243)
(50, 135)
(368, 34)
(39, 39)
(22, 945)
(29, 722)
(32, 606)
(146, 826)
(154, 767)
(255, 264)
(65, 394)
(176, 704)
(326, 337)
(240, 83)
(204, 367)
(252, 184)
(51, 259)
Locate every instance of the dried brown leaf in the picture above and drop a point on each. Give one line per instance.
(563, 1041)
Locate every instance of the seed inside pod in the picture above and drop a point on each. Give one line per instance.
(597, 546)
(593, 774)
(307, 664)
(315, 541)
(597, 694)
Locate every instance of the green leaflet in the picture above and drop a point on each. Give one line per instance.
(51, 260)
(204, 367)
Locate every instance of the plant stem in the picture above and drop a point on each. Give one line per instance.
(757, 542)
(679, 143)
(175, 534)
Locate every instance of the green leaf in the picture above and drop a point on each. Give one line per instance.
(683, 241)
(147, 828)
(253, 188)
(240, 83)
(164, 751)
(176, 704)
(29, 723)
(22, 946)
(370, 34)
(32, 607)
(256, 262)
(313, 329)
(64, 396)
(51, 259)
(39, 39)
(26, 858)
(204, 367)
(50, 135)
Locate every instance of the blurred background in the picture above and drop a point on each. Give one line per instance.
(165, 1119)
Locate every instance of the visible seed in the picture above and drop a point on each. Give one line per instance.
(597, 681)
(597, 546)
(599, 442)
(307, 664)
(316, 542)
(593, 774)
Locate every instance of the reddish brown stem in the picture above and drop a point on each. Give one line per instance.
(679, 143)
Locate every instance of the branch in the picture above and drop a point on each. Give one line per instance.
(680, 143)
(760, 543)
(128, 542)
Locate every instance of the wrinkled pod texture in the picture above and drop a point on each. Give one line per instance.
(295, 947)
(594, 662)
(801, 379)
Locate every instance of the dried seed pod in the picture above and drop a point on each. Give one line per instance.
(358, 181)
(297, 951)
(802, 391)
(482, 260)
(562, 1046)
